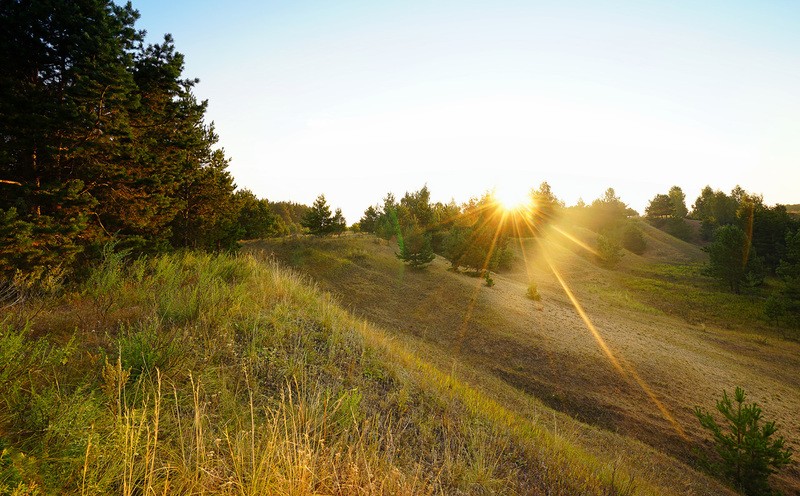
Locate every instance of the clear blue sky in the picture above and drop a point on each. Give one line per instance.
(355, 99)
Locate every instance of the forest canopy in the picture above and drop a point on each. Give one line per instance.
(102, 137)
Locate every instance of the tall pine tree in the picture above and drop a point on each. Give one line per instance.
(101, 137)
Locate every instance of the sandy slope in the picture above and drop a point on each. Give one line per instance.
(640, 375)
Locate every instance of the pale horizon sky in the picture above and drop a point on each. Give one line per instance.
(356, 99)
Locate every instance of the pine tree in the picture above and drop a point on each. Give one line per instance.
(546, 207)
(66, 89)
(338, 224)
(607, 213)
(369, 222)
(748, 452)
(479, 237)
(388, 223)
(678, 200)
(668, 212)
(319, 219)
(255, 219)
(415, 247)
(789, 272)
(455, 244)
(731, 258)
(633, 238)
(290, 215)
(659, 209)
(102, 138)
(415, 208)
(609, 251)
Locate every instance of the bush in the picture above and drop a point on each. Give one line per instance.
(143, 350)
(747, 453)
(488, 279)
(505, 259)
(415, 248)
(678, 228)
(775, 309)
(609, 252)
(633, 239)
(533, 292)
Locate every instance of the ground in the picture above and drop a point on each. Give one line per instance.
(665, 338)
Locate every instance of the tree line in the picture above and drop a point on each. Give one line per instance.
(475, 235)
(101, 138)
(747, 241)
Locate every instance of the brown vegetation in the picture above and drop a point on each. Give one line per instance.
(673, 340)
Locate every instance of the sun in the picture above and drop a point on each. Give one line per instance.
(512, 197)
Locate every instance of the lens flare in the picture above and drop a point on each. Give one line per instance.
(622, 366)
(512, 197)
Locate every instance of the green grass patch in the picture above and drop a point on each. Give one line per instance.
(694, 302)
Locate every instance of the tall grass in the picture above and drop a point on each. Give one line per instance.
(194, 373)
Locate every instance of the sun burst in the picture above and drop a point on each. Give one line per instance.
(512, 197)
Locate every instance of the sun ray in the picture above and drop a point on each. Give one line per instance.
(575, 240)
(654, 398)
(474, 298)
(625, 369)
(523, 251)
(582, 313)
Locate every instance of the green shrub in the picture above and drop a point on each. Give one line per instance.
(775, 309)
(747, 452)
(533, 292)
(415, 247)
(505, 259)
(348, 412)
(144, 349)
(633, 239)
(609, 252)
(488, 279)
(678, 228)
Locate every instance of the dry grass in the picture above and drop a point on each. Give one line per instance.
(677, 339)
(199, 374)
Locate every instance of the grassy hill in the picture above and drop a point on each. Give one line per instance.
(627, 354)
(199, 374)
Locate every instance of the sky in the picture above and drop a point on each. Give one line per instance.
(356, 99)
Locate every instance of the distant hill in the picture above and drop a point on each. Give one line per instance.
(793, 209)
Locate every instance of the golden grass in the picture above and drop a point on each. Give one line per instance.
(676, 340)
(203, 374)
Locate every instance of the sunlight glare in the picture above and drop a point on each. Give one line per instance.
(625, 371)
(513, 196)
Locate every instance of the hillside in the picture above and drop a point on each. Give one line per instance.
(198, 374)
(658, 338)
